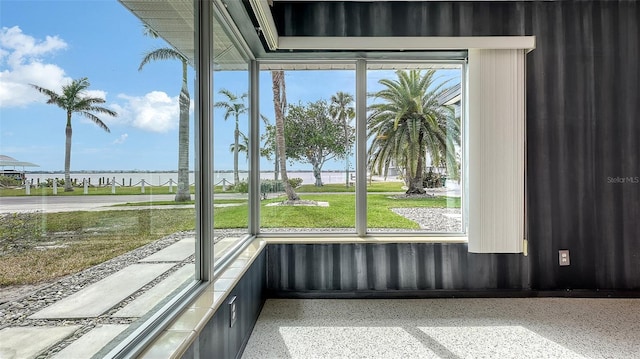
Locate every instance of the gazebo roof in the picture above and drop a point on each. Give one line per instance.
(6, 161)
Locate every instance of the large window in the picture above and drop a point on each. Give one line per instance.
(415, 148)
(231, 146)
(413, 159)
(316, 134)
(99, 222)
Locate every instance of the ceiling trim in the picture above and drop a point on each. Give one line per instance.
(405, 43)
(262, 11)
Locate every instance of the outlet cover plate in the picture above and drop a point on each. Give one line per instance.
(563, 257)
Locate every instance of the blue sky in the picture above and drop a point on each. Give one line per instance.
(48, 43)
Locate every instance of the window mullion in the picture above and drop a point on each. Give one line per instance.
(254, 148)
(361, 148)
(204, 141)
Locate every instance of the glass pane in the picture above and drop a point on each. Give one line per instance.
(97, 214)
(414, 148)
(230, 141)
(317, 105)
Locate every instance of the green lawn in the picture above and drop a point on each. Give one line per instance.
(171, 203)
(79, 191)
(78, 240)
(90, 238)
(339, 214)
(341, 187)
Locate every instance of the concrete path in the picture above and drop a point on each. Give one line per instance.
(101, 296)
(176, 252)
(91, 343)
(98, 298)
(149, 299)
(28, 342)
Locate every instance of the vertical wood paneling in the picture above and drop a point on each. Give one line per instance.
(583, 127)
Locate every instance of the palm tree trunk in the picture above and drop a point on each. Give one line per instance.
(277, 78)
(67, 155)
(236, 134)
(276, 166)
(416, 180)
(183, 194)
(346, 146)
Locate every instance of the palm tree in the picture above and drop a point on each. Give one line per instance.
(409, 123)
(270, 147)
(280, 104)
(342, 109)
(242, 146)
(168, 53)
(234, 106)
(73, 99)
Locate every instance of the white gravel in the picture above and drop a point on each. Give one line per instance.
(436, 220)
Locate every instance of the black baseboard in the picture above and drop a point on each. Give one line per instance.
(426, 294)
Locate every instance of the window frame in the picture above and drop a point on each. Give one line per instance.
(361, 72)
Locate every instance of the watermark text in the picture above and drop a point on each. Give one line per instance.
(620, 180)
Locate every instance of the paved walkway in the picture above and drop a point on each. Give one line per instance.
(99, 300)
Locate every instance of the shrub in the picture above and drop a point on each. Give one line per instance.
(295, 182)
(266, 186)
(9, 182)
(433, 180)
(242, 187)
(271, 186)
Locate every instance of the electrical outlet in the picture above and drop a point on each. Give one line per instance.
(563, 257)
(233, 311)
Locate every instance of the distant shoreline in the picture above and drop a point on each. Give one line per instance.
(169, 171)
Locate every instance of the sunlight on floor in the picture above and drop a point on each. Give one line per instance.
(423, 342)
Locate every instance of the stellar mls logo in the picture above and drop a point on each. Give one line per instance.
(634, 180)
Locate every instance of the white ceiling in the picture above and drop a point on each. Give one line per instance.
(173, 21)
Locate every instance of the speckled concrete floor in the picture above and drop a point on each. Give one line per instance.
(447, 328)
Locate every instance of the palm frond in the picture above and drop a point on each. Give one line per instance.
(164, 53)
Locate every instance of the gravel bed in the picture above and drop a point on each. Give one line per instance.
(433, 219)
(15, 313)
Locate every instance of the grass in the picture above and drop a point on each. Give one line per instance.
(173, 203)
(79, 191)
(340, 187)
(37, 247)
(339, 214)
(78, 240)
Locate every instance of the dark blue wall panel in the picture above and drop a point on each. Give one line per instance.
(217, 339)
(392, 267)
(583, 122)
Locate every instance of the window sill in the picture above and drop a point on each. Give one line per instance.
(175, 340)
(312, 239)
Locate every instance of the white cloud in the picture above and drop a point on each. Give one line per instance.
(121, 139)
(96, 93)
(21, 64)
(23, 47)
(155, 112)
